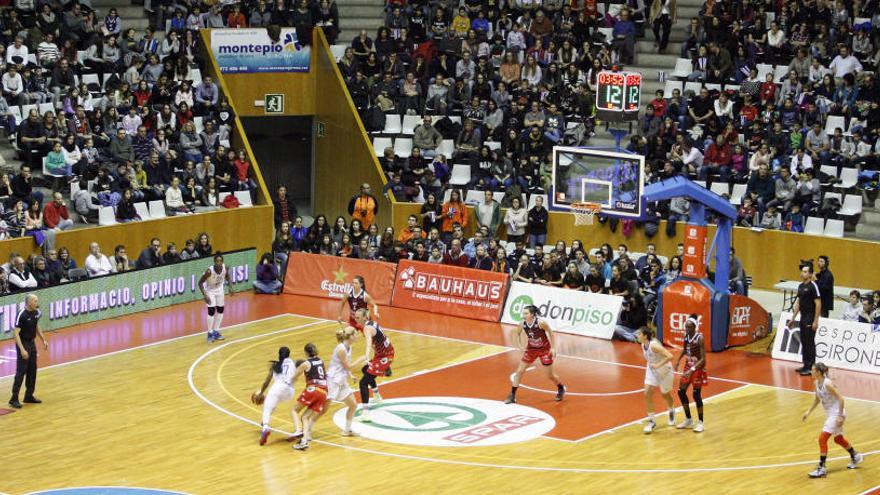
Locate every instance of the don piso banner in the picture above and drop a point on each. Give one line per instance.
(124, 293)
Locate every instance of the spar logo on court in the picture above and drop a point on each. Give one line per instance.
(450, 422)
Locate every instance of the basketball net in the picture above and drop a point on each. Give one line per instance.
(585, 212)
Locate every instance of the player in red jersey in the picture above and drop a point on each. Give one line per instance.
(694, 373)
(540, 345)
(314, 397)
(357, 298)
(379, 355)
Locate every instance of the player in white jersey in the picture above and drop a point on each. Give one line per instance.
(213, 286)
(658, 374)
(339, 373)
(282, 374)
(833, 402)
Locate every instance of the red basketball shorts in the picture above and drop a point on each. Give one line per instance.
(379, 364)
(313, 398)
(531, 355)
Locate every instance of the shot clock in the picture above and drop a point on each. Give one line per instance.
(618, 94)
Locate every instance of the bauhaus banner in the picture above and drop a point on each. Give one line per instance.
(569, 311)
(124, 293)
(450, 290)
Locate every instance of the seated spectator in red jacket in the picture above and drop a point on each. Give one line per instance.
(55, 214)
(455, 256)
(717, 160)
(659, 103)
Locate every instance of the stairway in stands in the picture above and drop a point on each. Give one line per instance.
(355, 15)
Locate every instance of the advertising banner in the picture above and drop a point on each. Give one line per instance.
(240, 51)
(566, 310)
(124, 293)
(330, 276)
(450, 290)
(840, 344)
(681, 299)
(749, 321)
(693, 263)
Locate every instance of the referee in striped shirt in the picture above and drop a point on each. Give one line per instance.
(27, 328)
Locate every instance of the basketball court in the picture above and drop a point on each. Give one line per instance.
(143, 401)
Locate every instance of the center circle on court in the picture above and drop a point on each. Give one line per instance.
(449, 422)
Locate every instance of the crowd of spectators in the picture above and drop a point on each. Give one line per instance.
(113, 116)
(437, 235)
(55, 267)
(504, 82)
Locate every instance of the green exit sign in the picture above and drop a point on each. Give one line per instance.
(274, 103)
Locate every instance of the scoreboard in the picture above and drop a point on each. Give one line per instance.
(617, 95)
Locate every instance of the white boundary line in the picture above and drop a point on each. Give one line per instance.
(602, 361)
(166, 341)
(678, 410)
(870, 490)
(201, 396)
(130, 488)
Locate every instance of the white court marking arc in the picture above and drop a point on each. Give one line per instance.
(133, 489)
(445, 461)
(208, 401)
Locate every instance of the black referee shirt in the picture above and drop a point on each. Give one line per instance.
(808, 292)
(27, 321)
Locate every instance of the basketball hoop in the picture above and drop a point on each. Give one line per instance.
(585, 212)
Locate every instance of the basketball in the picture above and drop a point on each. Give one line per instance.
(257, 398)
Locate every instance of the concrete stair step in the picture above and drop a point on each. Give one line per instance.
(138, 23)
(358, 11)
(867, 231)
(687, 12)
(646, 45)
(657, 61)
(870, 216)
(351, 26)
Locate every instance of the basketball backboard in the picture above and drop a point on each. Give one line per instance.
(614, 180)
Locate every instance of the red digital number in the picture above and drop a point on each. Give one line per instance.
(610, 78)
(634, 80)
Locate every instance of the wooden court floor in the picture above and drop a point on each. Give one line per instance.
(175, 415)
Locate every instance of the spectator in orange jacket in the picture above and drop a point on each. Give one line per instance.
(364, 207)
(454, 211)
(412, 226)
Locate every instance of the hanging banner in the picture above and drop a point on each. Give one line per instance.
(566, 310)
(450, 290)
(749, 321)
(121, 294)
(330, 276)
(693, 263)
(681, 299)
(239, 51)
(849, 345)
